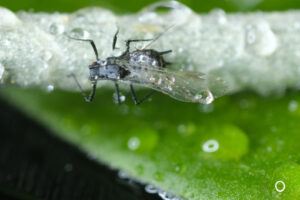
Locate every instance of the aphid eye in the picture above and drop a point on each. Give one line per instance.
(92, 65)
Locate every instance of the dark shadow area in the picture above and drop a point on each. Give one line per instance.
(34, 164)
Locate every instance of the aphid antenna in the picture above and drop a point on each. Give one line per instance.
(158, 36)
(115, 39)
(90, 41)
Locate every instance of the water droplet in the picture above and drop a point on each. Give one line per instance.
(142, 139)
(172, 12)
(181, 128)
(161, 9)
(220, 63)
(280, 186)
(198, 96)
(260, 39)
(123, 175)
(180, 168)
(68, 167)
(221, 16)
(164, 7)
(180, 50)
(133, 143)
(166, 196)
(79, 17)
(154, 63)
(297, 25)
(6, 43)
(79, 33)
(187, 129)
(152, 79)
(122, 98)
(8, 19)
(158, 176)
(177, 168)
(210, 146)
(56, 29)
(233, 140)
(286, 179)
(151, 189)
(293, 106)
(2, 69)
(204, 96)
(142, 58)
(173, 79)
(50, 88)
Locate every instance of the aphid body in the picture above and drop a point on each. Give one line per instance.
(146, 67)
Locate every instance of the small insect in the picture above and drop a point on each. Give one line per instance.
(145, 67)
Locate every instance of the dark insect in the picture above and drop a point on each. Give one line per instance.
(146, 67)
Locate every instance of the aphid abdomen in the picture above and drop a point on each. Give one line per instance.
(147, 57)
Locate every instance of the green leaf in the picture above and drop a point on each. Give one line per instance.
(240, 147)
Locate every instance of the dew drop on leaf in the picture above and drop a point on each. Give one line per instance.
(280, 186)
(210, 146)
(56, 29)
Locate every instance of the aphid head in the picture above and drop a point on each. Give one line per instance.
(94, 68)
(98, 63)
(93, 65)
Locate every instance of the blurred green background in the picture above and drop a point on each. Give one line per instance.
(135, 5)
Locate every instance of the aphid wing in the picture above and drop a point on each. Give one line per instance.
(188, 87)
(212, 81)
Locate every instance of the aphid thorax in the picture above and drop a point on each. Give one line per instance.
(107, 70)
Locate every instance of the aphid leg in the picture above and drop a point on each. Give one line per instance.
(137, 102)
(165, 52)
(129, 41)
(91, 42)
(92, 94)
(167, 63)
(115, 39)
(117, 93)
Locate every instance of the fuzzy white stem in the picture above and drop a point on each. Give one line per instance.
(260, 51)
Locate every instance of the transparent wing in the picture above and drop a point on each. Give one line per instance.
(183, 86)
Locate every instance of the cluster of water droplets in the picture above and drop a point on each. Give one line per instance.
(163, 194)
(254, 50)
(151, 189)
